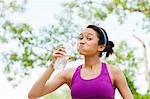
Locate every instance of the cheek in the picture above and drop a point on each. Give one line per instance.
(92, 44)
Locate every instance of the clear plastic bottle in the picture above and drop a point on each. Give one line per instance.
(61, 62)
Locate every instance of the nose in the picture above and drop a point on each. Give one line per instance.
(83, 40)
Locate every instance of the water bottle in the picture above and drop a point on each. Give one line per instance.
(62, 61)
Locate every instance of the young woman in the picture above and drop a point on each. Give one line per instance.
(91, 80)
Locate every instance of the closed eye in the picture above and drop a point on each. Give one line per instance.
(80, 38)
(89, 38)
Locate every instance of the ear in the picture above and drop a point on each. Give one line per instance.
(101, 47)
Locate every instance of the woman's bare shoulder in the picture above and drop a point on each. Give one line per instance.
(115, 70)
(68, 72)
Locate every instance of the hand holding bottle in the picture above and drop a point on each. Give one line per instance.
(61, 56)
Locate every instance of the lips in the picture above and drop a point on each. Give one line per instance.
(81, 46)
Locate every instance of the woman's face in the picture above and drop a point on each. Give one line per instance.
(88, 42)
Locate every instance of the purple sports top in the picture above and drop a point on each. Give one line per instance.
(100, 87)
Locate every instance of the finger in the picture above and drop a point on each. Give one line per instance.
(59, 53)
(61, 49)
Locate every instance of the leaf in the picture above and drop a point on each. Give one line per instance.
(13, 4)
(13, 57)
(124, 4)
(101, 15)
(116, 2)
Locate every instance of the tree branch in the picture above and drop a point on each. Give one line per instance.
(145, 58)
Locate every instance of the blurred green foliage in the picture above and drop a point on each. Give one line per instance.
(124, 55)
(67, 28)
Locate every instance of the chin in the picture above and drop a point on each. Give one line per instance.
(82, 53)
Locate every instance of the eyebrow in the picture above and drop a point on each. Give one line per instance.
(88, 34)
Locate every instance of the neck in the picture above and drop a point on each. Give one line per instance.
(92, 61)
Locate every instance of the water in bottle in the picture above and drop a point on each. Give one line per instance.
(62, 61)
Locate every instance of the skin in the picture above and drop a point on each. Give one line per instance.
(87, 46)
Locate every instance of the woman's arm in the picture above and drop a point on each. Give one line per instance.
(41, 86)
(121, 84)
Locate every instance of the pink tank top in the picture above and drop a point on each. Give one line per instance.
(99, 87)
